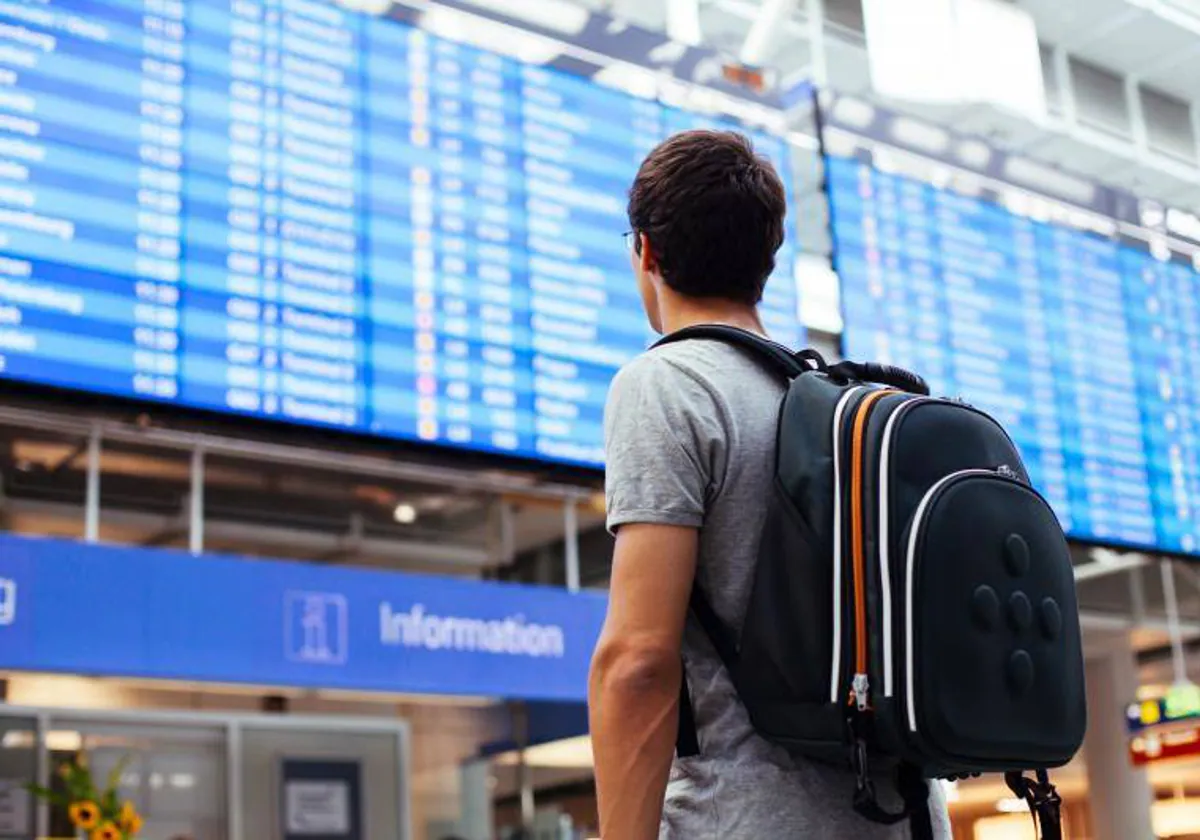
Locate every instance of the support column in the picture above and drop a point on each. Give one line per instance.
(477, 812)
(571, 545)
(91, 502)
(520, 719)
(1119, 794)
(815, 10)
(196, 503)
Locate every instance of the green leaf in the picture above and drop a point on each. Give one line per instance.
(109, 804)
(78, 785)
(52, 796)
(114, 776)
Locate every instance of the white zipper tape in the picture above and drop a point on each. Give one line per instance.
(885, 538)
(914, 532)
(836, 663)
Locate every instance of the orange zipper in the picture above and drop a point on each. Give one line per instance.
(859, 687)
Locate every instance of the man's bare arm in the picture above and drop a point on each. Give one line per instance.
(633, 694)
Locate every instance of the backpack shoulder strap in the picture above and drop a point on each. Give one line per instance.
(787, 365)
(778, 358)
(687, 739)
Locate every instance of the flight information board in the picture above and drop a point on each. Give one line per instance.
(283, 209)
(1086, 347)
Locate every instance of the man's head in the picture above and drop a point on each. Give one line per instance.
(707, 218)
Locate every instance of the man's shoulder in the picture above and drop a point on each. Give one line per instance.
(704, 362)
(654, 364)
(707, 370)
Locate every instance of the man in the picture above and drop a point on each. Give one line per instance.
(690, 439)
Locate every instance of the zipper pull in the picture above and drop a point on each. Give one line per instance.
(861, 689)
(1007, 471)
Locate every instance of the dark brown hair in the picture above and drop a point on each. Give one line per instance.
(713, 213)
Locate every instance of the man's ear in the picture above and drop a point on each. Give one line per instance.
(646, 256)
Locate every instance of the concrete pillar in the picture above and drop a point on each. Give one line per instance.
(1118, 793)
(477, 818)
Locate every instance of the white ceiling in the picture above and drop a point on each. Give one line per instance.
(1130, 38)
(1155, 41)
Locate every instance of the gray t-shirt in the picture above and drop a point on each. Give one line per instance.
(690, 440)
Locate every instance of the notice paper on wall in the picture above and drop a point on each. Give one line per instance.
(317, 808)
(321, 799)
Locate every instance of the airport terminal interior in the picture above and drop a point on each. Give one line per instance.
(308, 313)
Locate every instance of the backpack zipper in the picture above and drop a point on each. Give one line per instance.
(835, 667)
(885, 539)
(860, 688)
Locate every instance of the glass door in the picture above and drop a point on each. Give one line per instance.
(174, 775)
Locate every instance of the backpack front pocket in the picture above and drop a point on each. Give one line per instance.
(985, 650)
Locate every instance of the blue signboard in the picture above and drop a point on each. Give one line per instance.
(133, 612)
(288, 210)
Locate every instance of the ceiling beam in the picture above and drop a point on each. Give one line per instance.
(1166, 62)
(263, 452)
(1171, 13)
(295, 542)
(764, 31)
(1103, 564)
(683, 22)
(1104, 28)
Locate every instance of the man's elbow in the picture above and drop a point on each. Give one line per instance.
(638, 670)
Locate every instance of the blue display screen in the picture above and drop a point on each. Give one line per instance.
(1087, 349)
(282, 209)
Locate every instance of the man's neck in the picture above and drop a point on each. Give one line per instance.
(685, 312)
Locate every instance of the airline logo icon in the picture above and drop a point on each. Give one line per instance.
(316, 629)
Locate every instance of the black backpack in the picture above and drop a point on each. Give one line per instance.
(913, 602)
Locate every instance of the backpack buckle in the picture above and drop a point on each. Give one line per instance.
(1043, 799)
(1042, 795)
(866, 803)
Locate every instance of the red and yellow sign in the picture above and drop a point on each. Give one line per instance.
(1165, 744)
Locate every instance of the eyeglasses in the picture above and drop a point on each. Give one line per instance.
(632, 241)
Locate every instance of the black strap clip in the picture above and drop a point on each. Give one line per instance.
(910, 784)
(866, 802)
(1045, 804)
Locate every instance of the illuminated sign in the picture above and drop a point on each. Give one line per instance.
(1181, 703)
(1161, 746)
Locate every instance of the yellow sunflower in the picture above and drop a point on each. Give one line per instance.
(129, 820)
(108, 831)
(84, 815)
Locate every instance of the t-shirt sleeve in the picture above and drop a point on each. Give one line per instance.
(663, 437)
